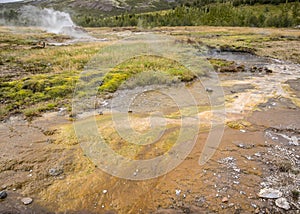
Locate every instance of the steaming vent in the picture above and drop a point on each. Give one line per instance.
(51, 21)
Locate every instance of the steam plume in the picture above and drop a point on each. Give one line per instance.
(52, 21)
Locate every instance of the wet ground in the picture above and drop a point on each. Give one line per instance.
(259, 149)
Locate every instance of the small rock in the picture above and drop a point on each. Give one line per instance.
(225, 200)
(72, 115)
(200, 200)
(231, 205)
(49, 141)
(101, 83)
(257, 211)
(245, 146)
(241, 68)
(282, 203)
(257, 154)
(55, 172)
(294, 141)
(248, 157)
(104, 191)
(3, 194)
(210, 90)
(62, 111)
(27, 201)
(241, 145)
(268, 71)
(177, 191)
(253, 205)
(253, 69)
(269, 193)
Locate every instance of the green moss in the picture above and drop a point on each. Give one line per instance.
(3, 112)
(217, 63)
(240, 124)
(137, 65)
(26, 93)
(295, 194)
(31, 112)
(38, 109)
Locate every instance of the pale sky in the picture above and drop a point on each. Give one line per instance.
(8, 1)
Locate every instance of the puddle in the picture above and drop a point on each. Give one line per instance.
(75, 41)
(247, 59)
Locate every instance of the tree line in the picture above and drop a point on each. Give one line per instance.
(251, 13)
(219, 14)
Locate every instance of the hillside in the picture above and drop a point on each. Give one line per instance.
(98, 7)
(216, 14)
(153, 13)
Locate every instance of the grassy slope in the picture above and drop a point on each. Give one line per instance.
(37, 80)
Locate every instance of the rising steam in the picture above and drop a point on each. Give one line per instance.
(51, 21)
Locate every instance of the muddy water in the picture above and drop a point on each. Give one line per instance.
(245, 58)
(236, 171)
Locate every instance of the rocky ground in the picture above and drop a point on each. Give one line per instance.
(255, 169)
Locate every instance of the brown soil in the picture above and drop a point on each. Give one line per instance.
(236, 171)
(42, 159)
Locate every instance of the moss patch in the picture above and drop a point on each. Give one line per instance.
(239, 124)
(171, 69)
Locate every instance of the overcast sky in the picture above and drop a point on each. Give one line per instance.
(7, 1)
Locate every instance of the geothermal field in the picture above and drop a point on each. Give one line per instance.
(148, 120)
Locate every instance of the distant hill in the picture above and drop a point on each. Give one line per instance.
(102, 7)
(115, 7)
(93, 13)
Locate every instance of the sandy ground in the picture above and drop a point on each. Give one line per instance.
(42, 159)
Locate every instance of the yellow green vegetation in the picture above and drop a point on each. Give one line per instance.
(171, 70)
(38, 80)
(294, 98)
(269, 42)
(239, 124)
(17, 53)
(27, 94)
(217, 63)
(66, 136)
(122, 144)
